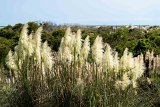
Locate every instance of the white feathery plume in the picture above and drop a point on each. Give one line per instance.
(118, 84)
(37, 44)
(134, 84)
(123, 84)
(24, 37)
(10, 61)
(18, 52)
(124, 62)
(125, 81)
(47, 56)
(85, 50)
(67, 37)
(72, 42)
(138, 67)
(67, 56)
(22, 46)
(130, 61)
(108, 58)
(97, 50)
(124, 59)
(19, 55)
(17, 58)
(155, 60)
(30, 45)
(66, 45)
(68, 32)
(116, 62)
(78, 42)
(141, 65)
(43, 70)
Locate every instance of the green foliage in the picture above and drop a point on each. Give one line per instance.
(5, 46)
(32, 27)
(141, 47)
(58, 34)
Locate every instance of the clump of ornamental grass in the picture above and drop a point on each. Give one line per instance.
(107, 72)
(77, 75)
(30, 64)
(152, 63)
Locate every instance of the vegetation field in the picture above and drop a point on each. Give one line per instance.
(48, 65)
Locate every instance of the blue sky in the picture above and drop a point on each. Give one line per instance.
(85, 12)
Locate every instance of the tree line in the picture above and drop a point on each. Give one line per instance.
(138, 40)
